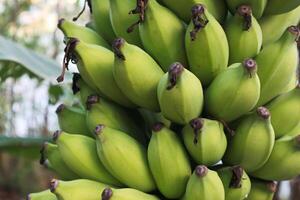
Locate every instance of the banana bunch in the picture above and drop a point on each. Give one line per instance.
(166, 87)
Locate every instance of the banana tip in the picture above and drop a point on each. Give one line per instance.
(106, 194)
(99, 128)
(201, 170)
(263, 112)
(198, 9)
(53, 185)
(56, 135)
(244, 10)
(272, 186)
(60, 22)
(116, 47)
(92, 99)
(157, 126)
(60, 108)
(294, 30)
(237, 176)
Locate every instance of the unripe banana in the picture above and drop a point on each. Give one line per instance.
(258, 6)
(205, 40)
(72, 120)
(168, 162)
(244, 35)
(205, 140)
(293, 83)
(72, 30)
(180, 95)
(80, 154)
(236, 182)
(52, 159)
(284, 160)
(253, 136)
(262, 190)
(234, 92)
(126, 194)
(204, 184)
(81, 189)
(275, 7)
(121, 20)
(124, 157)
(136, 74)
(44, 195)
(277, 64)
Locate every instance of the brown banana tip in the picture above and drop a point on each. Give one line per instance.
(116, 47)
(198, 9)
(75, 86)
(263, 112)
(106, 194)
(294, 30)
(56, 135)
(237, 176)
(250, 65)
(53, 185)
(99, 128)
(201, 170)
(91, 100)
(272, 186)
(60, 108)
(60, 22)
(157, 126)
(175, 72)
(196, 125)
(244, 10)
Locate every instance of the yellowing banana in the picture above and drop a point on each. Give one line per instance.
(44, 195)
(126, 194)
(262, 190)
(258, 6)
(275, 7)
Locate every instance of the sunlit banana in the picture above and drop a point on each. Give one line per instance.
(258, 6)
(44, 195)
(78, 85)
(262, 190)
(275, 7)
(126, 194)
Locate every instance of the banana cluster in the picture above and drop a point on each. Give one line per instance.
(186, 99)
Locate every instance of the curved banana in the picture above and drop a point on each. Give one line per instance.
(124, 157)
(258, 6)
(244, 35)
(253, 136)
(236, 182)
(275, 7)
(78, 85)
(180, 95)
(80, 155)
(126, 194)
(234, 92)
(262, 190)
(136, 74)
(204, 184)
(205, 140)
(168, 162)
(44, 195)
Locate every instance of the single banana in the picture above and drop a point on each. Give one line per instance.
(274, 26)
(253, 136)
(180, 95)
(121, 20)
(275, 7)
(164, 43)
(80, 189)
(277, 65)
(236, 182)
(136, 74)
(44, 195)
(262, 190)
(125, 194)
(168, 162)
(258, 6)
(244, 35)
(283, 163)
(205, 140)
(234, 92)
(204, 184)
(205, 40)
(80, 155)
(78, 85)
(124, 157)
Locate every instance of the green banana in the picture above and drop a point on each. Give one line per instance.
(72, 120)
(52, 159)
(244, 35)
(205, 40)
(180, 95)
(275, 7)
(80, 155)
(277, 64)
(253, 136)
(283, 163)
(274, 26)
(121, 20)
(258, 6)
(164, 43)
(77, 190)
(168, 162)
(204, 184)
(236, 182)
(262, 190)
(136, 74)
(125, 194)
(44, 195)
(234, 92)
(78, 85)
(124, 157)
(205, 140)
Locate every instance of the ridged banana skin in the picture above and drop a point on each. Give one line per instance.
(238, 192)
(242, 43)
(168, 162)
(125, 158)
(275, 7)
(121, 20)
(100, 16)
(72, 30)
(277, 64)
(164, 43)
(44, 195)
(283, 163)
(129, 194)
(208, 187)
(137, 76)
(209, 145)
(253, 136)
(98, 63)
(285, 111)
(258, 6)
(233, 93)
(274, 26)
(85, 161)
(261, 190)
(210, 43)
(184, 101)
